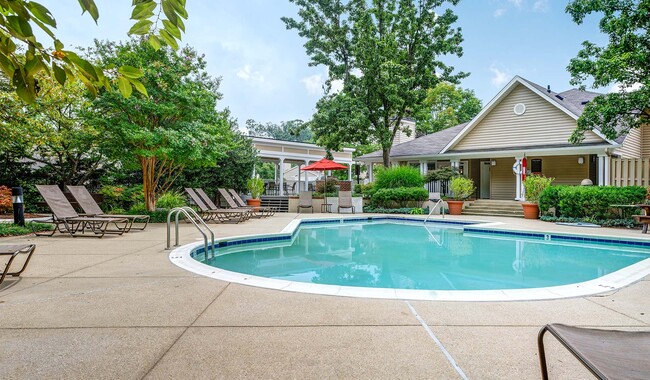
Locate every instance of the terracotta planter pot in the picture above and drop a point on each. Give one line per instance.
(455, 207)
(254, 202)
(531, 210)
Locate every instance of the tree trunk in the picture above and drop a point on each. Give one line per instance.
(148, 165)
(386, 157)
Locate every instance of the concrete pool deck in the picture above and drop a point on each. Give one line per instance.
(118, 308)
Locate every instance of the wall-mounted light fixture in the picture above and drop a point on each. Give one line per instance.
(493, 162)
(581, 160)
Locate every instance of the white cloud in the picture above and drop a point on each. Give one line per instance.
(541, 6)
(499, 12)
(246, 73)
(621, 88)
(517, 3)
(337, 86)
(313, 84)
(499, 77)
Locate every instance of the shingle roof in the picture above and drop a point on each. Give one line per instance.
(427, 145)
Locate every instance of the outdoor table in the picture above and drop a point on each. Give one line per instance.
(644, 219)
(627, 206)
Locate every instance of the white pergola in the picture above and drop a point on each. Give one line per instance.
(290, 152)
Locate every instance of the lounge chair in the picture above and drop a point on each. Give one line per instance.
(345, 201)
(258, 211)
(607, 354)
(209, 213)
(91, 208)
(67, 220)
(13, 251)
(305, 201)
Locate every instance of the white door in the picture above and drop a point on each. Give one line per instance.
(485, 179)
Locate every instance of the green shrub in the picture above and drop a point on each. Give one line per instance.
(364, 190)
(589, 201)
(400, 197)
(171, 199)
(399, 176)
(121, 197)
(403, 210)
(10, 229)
(462, 188)
(442, 174)
(625, 222)
(327, 186)
(157, 216)
(535, 185)
(256, 187)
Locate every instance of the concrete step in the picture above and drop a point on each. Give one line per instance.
(490, 213)
(495, 202)
(494, 207)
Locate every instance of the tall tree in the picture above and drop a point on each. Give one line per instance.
(176, 126)
(623, 62)
(386, 53)
(23, 56)
(292, 130)
(447, 105)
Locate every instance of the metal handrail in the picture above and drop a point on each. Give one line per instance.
(192, 216)
(433, 209)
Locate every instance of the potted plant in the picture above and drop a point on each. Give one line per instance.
(534, 185)
(461, 189)
(255, 186)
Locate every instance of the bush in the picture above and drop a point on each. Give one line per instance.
(10, 229)
(400, 197)
(399, 176)
(462, 188)
(157, 216)
(121, 197)
(256, 187)
(171, 199)
(535, 185)
(589, 201)
(365, 191)
(442, 174)
(328, 186)
(6, 204)
(626, 222)
(404, 210)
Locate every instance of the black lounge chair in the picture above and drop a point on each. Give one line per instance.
(67, 220)
(607, 354)
(209, 213)
(91, 208)
(257, 211)
(14, 251)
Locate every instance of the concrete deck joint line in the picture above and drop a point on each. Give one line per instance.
(437, 341)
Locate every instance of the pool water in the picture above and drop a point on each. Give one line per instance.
(432, 257)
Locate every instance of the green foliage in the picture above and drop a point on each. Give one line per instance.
(462, 188)
(326, 186)
(399, 197)
(589, 201)
(175, 127)
(6, 203)
(416, 211)
(121, 197)
(386, 53)
(256, 187)
(624, 62)
(158, 215)
(535, 185)
(171, 199)
(403, 210)
(398, 176)
(17, 35)
(10, 229)
(292, 130)
(364, 190)
(447, 106)
(625, 222)
(442, 174)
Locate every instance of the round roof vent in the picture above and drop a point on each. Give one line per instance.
(520, 108)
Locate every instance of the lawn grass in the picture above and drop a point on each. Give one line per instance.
(10, 229)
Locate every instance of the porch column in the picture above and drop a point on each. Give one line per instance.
(516, 168)
(350, 171)
(601, 169)
(423, 167)
(281, 177)
(607, 171)
(306, 181)
(275, 172)
(371, 177)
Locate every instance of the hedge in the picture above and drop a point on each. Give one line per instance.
(399, 176)
(626, 222)
(400, 197)
(589, 201)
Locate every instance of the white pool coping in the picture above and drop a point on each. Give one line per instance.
(182, 257)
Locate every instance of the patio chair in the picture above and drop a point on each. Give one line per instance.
(14, 251)
(209, 213)
(67, 220)
(305, 201)
(607, 354)
(258, 211)
(91, 208)
(345, 201)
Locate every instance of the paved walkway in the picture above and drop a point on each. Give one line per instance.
(116, 308)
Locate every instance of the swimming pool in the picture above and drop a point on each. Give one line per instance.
(401, 258)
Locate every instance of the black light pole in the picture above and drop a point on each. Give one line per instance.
(19, 209)
(357, 171)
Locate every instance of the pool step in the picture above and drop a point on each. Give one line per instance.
(495, 208)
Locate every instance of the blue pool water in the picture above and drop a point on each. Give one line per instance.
(433, 257)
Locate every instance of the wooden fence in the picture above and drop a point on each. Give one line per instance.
(630, 172)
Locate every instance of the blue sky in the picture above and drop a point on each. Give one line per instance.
(264, 68)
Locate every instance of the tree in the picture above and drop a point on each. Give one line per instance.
(51, 132)
(23, 56)
(446, 106)
(386, 53)
(176, 126)
(292, 130)
(623, 62)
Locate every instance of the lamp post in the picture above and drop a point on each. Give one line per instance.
(19, 209)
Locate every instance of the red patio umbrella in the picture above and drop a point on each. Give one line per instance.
(324, 164)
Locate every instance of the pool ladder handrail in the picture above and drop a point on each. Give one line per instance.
(192, 216)
(434, 208)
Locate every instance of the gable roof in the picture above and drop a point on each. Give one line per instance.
(571, 102)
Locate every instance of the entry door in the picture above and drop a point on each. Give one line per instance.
(485, 179)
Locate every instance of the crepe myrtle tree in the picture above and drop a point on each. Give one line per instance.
(23, 55)
(622, 62)
(176, 126)
(386, 54)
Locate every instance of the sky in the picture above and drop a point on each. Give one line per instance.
(264, 67)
